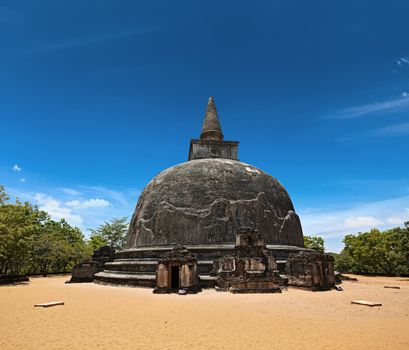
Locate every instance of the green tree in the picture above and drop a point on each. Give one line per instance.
(58, 248)
(377, 252)
(96, 241)
(3, 195)
(314, 242)
(31, 242)
(342, 261)
(19, 225)
(113, 233)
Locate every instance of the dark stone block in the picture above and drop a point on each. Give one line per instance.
(311, 270)
(85, 271)
(13, 278)
(103, 255)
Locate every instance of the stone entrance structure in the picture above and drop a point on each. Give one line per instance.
(177, 271)
(202, 204)
(251, 269)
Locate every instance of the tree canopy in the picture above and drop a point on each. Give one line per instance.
(314, 242)
(376, 252)
(112, 233)
(31, 242)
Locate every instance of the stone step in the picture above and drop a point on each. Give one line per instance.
(142, 280)
(132, 266)
(115, 274)
(137, 280)
(149, 266)
(125, 273)
(137, 259)
(207, 281)
(131, 262)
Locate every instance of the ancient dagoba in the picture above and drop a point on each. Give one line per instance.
(201, 205)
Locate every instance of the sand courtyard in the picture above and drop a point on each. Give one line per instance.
(107, 317)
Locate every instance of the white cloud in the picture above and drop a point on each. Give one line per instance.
(402, 61)
(56, 211)
(395, 220)
(89, 203)
(362, 221)
(16, 168)
(359, 111)
(23, 180)
(71, 191)
(74, 203)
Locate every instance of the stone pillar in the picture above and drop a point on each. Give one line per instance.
(185, 276)
(162, 276)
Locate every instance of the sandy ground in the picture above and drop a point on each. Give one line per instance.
(106, 317)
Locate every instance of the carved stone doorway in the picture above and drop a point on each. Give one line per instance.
(174, 277)
(176, 272)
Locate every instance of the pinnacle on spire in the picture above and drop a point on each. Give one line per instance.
(211, 129)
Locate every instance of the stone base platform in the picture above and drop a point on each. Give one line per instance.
(137, 266)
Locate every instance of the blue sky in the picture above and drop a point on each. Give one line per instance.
(96, 97)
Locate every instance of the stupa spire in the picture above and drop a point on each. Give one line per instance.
(211, 143)
(211, 129)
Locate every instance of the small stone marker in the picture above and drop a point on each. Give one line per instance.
(365, 302)
(53, 303)
(393, 287)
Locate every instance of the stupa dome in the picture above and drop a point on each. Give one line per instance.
(203, 204)
(205, 201)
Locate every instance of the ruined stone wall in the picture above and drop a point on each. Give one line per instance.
(311, 270)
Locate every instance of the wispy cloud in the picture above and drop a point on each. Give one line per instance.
(395, 220)
(89, 203)
(71, 191)
(84, 41)
(16, 168)
(401, 129)
(362, 221)
(364, 110)
(402, 61)
(118, 197)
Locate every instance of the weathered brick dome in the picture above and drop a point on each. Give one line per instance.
(205, 201)
(202, 204)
